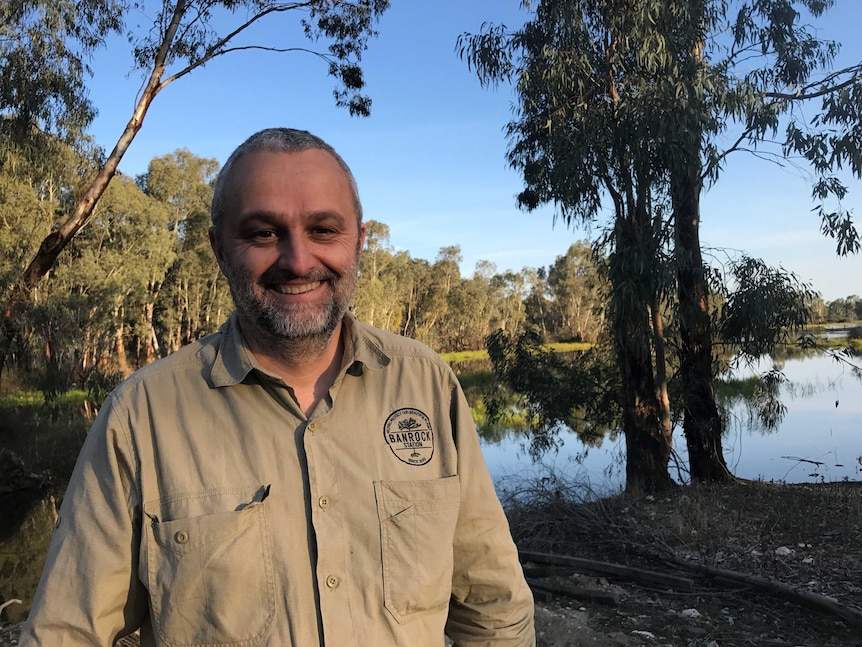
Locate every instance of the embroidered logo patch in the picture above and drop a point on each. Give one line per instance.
(409, 435)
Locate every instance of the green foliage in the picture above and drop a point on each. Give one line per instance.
(759, 394)
(552, 391)
(184, 36)
(44, 48)
(631, 104)
(201, 35)
(767, 306)
(577, 289)
(25, 220)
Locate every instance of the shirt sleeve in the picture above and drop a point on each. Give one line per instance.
(89, 593)
(491, 604)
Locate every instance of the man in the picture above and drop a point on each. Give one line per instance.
(297, 478)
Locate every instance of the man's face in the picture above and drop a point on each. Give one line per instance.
(289, 244)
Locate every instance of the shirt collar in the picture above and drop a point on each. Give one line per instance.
(234, 360)
(363, 350)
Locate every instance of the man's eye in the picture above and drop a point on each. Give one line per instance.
(264, 234)
(323, 231)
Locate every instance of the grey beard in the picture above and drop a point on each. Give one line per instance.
(277, 324)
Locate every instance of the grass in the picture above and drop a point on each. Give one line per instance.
(479, 355)
(35, 398)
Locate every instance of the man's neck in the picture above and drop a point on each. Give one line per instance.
(309, 367)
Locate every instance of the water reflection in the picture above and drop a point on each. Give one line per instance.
(803, 423)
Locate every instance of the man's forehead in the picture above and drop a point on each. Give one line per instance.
(264, 176)
(289, 170)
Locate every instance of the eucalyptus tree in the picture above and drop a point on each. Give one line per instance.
(185, 35)
(34, 188)
(749, 70)
(44, 48)
(575, 284)
(23, 217)
(537, 305)
(509, 292)
(382, 288)
(843, 309)
(433, 284)
(469, 308)
(581, 136)
(94, 300)
(193, 298)
(696, 70)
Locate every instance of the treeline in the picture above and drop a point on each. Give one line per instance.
(432, 302)
(837, 311)
(139, 280)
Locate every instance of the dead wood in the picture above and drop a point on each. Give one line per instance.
(606, 568)
(578, 593)
(808, 599)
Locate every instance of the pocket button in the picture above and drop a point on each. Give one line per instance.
(181, 537)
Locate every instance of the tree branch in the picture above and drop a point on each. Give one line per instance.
(216, 49)
(803, 95)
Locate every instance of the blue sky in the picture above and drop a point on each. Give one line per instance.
(430, 161)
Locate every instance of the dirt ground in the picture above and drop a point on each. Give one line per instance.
(757, 565)
(760, 565)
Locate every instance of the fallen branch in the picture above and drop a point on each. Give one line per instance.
(576, 592)
(8, 603)
(802, 597)
(606, 568)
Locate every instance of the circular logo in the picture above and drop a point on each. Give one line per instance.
(408, 434)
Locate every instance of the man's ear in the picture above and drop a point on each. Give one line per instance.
(218, 250)
(362, 233)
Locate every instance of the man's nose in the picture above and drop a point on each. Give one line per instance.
(294, 255)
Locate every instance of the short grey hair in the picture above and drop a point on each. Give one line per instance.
(276, 140)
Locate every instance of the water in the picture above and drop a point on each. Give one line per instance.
(819, 439)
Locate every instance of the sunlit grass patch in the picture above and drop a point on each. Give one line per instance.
(36, 398)
(568, 347)
(478, 355)
(465, 356)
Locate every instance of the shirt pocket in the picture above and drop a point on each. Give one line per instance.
(417, 530)
(210, 578)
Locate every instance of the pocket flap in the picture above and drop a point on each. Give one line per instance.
(416, 497)
(186, 535)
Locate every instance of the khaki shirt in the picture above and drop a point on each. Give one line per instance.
(206, 509)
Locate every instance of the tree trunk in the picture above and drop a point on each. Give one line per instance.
(661, 389)
(647, 445)
(58, 239)
(702, 424)
(120, 344)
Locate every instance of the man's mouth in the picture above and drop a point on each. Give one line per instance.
(297, 289)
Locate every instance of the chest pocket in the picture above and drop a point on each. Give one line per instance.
(417, 529)
(210, 576)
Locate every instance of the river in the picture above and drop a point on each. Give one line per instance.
(818, 439)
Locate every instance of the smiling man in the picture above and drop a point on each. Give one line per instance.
(296, 479)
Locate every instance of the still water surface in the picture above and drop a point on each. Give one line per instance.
(819, 438)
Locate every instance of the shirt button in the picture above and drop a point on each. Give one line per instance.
(181, 537)
(332, 581)
(312, 427)
(323, 502)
